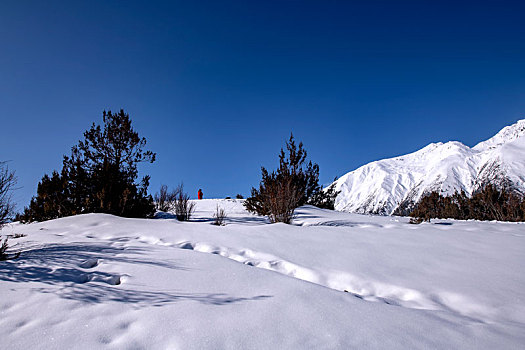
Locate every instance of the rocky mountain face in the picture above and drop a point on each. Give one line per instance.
(395, 185)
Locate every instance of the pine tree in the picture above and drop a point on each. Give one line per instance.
(293, 184)
(99, 176)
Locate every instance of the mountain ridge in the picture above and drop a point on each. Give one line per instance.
(394, 185)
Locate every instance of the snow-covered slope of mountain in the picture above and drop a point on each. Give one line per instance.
(396, 184)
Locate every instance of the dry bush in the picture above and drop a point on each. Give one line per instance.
(7, 183)
(183, 207)
(281, 198)
(488, 203)
(220, 216)
(165, 200)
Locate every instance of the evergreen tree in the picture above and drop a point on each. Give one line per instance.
(325, 198)
(99, 176)
(293, 184)
(52, 200)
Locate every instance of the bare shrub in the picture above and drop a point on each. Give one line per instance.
(220, 216)
(7, 183)
(183, 207)
(488, 203)
(165, 200)
(281, 198)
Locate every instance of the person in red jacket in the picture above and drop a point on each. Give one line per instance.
(199, 194)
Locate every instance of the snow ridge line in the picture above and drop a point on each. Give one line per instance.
(345, 282)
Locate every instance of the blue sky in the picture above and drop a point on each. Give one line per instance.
(217, 86)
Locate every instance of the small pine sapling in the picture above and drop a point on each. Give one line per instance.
(3, 252)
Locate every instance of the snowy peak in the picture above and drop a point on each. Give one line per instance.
(507, 134)
(394, 185)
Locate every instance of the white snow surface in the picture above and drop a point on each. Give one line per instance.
(382, 186)
(97, 281)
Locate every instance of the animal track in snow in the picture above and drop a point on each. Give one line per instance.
(114, 280)
(89, 263)
(344, 223)
(342, 281)
(84, 278)
(256, 259)
(153, 240)
(96, 276)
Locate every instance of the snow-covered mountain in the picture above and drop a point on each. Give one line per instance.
(394, 185)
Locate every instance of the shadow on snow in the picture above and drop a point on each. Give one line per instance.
(64, 268)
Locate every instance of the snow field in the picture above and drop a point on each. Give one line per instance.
(253, 285)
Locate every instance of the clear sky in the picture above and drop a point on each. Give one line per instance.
(217, 86)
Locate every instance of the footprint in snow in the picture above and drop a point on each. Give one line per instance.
(83, 279)
(89, 263)
(187, 245)
(114, 280)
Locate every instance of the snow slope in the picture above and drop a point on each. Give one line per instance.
(396, 184)
(99, 281)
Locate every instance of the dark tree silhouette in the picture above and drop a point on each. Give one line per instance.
(488, 203)
(293, 184)
(99, 176)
